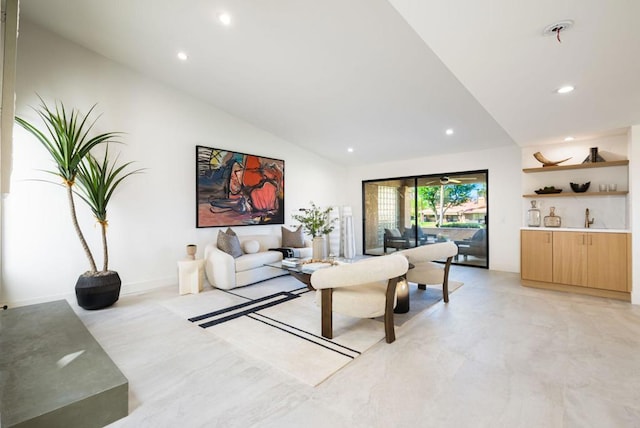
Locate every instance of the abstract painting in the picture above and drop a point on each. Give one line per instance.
(237, 189)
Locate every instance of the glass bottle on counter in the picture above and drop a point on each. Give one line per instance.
(533, 216)
(552, 220)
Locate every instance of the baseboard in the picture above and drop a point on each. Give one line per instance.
(140, 287)
(128, 288)
(618, 295)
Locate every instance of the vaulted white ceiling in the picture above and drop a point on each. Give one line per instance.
(386, 78)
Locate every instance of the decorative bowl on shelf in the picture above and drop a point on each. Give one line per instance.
(547, 190)
(580, 188)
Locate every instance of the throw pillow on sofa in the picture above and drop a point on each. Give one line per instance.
(229, 243)
(251, 247)
(292, 238)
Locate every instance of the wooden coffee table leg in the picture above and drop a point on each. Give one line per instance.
(304, 278)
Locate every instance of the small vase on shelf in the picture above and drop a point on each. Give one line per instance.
(552, 220)
(533, 215)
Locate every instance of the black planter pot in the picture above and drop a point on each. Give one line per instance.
(97, 292)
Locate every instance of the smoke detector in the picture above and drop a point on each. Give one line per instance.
(555, 28)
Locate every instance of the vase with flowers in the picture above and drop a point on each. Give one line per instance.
(316, 222)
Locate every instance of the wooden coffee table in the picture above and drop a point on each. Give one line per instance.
(296, 272)
(305, 277)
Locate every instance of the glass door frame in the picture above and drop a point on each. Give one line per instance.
(414, 220)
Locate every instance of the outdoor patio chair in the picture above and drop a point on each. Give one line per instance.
(394, 239)
(474, 246)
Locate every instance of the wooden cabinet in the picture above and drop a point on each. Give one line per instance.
(536, 256)
(596, 261)
(608, 261)
(570, 258)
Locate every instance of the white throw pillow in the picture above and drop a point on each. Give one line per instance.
(251, 247)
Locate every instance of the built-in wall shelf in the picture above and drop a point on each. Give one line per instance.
(576, 166)
(570, 194)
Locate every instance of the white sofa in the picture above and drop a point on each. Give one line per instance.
(224, 271)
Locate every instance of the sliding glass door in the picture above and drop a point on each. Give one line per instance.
(406, 212)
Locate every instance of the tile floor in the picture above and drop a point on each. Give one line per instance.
(498, 355)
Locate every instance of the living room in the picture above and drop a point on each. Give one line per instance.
(155, 210)
(152, 217)
(162, 128)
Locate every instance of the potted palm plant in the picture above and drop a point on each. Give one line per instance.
(316, 222)
(67, 140)
(97, 181)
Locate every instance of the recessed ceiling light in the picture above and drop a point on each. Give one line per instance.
(565, 89)
(350, 149)
(182, 56)
(225, 18)
(569, 138)
(449, 131)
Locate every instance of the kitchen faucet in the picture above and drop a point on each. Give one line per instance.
(587, 222)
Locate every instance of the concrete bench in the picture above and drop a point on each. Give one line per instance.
(53, 373)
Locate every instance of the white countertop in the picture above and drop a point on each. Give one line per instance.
(577, 229)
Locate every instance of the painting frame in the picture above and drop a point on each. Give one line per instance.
(238, 189)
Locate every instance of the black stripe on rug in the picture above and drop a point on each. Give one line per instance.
(251, 307)
(301, 290)
(310, 337)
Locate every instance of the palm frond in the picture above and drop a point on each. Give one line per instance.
(68, 141)
(96, 183)
(66, 137)
(99, 179)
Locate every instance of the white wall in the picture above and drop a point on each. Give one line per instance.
(504, 194)
(634, 189)
(152, 216)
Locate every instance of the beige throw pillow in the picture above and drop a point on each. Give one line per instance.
(229, 243)
(292, 238)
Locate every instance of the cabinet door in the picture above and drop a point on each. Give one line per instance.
(608, 261)
(570, 258)
(536, 255)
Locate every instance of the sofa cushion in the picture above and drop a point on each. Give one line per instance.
(427, 273)
(253, 261)
(292, 238)
(229, 243)
(250, 247)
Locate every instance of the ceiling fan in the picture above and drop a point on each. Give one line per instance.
(444, 180)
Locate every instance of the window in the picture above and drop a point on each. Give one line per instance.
(411, 211)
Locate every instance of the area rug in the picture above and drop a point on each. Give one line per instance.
(277, 321)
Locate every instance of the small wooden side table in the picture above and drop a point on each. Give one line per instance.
(190, 276)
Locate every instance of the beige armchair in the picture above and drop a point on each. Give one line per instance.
(366, 289)
(425, 271)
